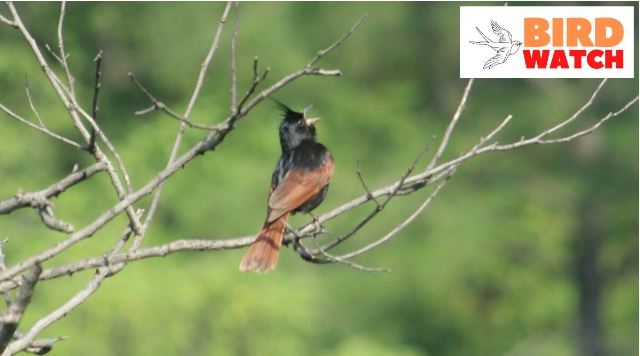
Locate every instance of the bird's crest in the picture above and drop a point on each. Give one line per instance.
(287, 113)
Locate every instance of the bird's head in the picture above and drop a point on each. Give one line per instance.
(295, 127)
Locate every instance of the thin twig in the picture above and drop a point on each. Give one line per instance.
(10, 318)
(257, 79)
(33, 107)
(74, 110)
(379, 206)
(417, 181)
(213, 139)
(234, 79)
(7, 295)
(61, 91)
(63, 54)
(36, 199)
(53, 53)
(91, 146)
(364, 184)
(42, 129)
(451, 126)
(53, 223)
(337, 43)
(43, 346)
(421, 179)
(577, 113)
(398, 228)
(352, 264)
(6, 21)
(80, 297)
(139, 254)
(159, 105)
(27, 339)
(593, 127)
(137, 241)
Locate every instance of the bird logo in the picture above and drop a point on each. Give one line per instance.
(504, 47)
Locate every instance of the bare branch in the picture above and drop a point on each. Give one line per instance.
(159, 105)
(36, 199)
(68, 99)
(33, 107)
(213, 139)
(10, 318)
(592, 128)
(57, 85)
(91, 146)
(80, 297)
(234, 79)
(53, 53)
(352, 264)
(137, 241)
(493, 133)
(43, 346)
(257, 79)
(53, 223)
(205, 65)
(452, 125)
(6, 21)
(415, 182)
(364, 184)
(401, 226)
(379, 206)
(63, 54)
(337, 43)
(577, 113)
(139, 254)
(40, 128)
(7, 295)
(28, 338)
(429, 176)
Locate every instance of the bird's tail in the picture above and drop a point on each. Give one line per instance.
(483, 36)
(263, 253)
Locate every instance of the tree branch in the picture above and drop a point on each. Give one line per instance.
(68, 98)
(415, 182)
(39, 198)
(10, 318)
(159, 105)
(234, 79)
(137, 241)
(40, 127)
(337, 43)
(91, 146)
(452, 125)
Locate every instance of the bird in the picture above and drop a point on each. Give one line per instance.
(505, 46)
(299, 183)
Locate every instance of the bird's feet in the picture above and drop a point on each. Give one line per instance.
(318, 228)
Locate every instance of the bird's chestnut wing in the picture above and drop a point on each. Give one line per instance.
(298, 186)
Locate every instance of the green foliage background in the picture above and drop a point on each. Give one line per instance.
(489, 269)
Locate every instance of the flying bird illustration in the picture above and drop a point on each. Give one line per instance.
(505, 46)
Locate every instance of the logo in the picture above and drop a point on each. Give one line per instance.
(505, 46)
(547, 42)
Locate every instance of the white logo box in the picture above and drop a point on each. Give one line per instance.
(512, 18)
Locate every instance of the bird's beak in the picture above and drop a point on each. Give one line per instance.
(306, 110)
(312, 121)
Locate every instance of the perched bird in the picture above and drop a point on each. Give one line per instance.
(505, 46)
(299, 183)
